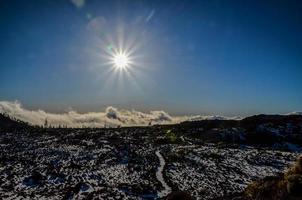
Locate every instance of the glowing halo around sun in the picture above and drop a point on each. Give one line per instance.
(118, 61)
(118, 57)
(121, 60)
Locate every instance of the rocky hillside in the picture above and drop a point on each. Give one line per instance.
(10, 124)
(146, 162)
(285, 185)
(277, 131)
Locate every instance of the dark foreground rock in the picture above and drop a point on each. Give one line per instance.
(122, 163)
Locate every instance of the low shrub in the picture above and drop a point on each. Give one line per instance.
(294, 185)
(287, 185)
(172, 137)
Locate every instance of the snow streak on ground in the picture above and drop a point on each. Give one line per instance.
(208, 172)
(159, 175)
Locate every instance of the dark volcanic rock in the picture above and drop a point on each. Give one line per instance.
(36, 179)
(121, 163)
(179, 196)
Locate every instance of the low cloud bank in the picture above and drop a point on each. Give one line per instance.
(111, 117)
(295, 113)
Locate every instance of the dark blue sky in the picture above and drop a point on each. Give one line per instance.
(206, 57)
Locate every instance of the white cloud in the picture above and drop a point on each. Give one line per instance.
(110, 117)
(78, 3)
(295, 113)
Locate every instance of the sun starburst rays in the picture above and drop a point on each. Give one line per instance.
(119, 63)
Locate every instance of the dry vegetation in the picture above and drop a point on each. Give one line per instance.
(286, 185)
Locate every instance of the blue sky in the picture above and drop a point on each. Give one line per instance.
(191, 57)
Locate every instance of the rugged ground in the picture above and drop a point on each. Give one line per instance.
(129, 163)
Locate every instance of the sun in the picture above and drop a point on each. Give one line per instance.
(121, 60)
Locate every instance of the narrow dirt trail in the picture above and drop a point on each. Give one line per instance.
(159, 175)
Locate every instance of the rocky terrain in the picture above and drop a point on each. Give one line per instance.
(208, 159)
